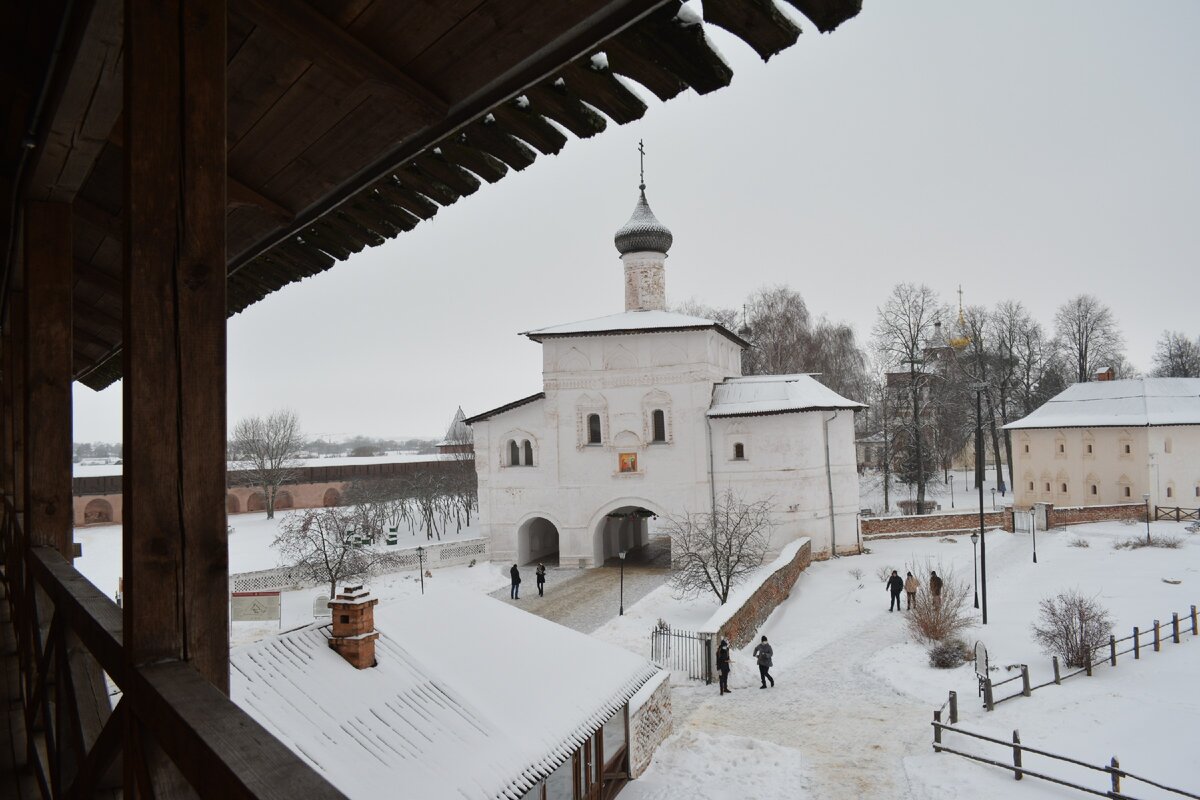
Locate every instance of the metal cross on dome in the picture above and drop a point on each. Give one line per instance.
(641, 165)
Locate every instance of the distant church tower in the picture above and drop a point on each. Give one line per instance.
(643, 243)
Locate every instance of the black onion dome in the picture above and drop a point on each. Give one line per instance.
(643, 231)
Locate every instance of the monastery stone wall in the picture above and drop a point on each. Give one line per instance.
(932, 524)
(650, 722)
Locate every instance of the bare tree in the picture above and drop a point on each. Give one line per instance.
(266, 449)
(728, 318)
(1176, 356)
(1088, 335)
(779, 330)
(714, 551)
(902, 329)
(318, 542)
(1072, 626)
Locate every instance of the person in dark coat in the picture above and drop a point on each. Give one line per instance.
(723, 664)
(895, 585)
(763, 653)
(935, 587)
(515, 574)
(541, 579)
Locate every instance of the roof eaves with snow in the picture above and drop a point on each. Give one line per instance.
(1129, 403)
(495, 412)
(766, 395)
(634, 322)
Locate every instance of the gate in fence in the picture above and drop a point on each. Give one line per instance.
(1023, 521)
(684, 651)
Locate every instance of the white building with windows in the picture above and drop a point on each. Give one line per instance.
(646, 412)
(1111, 441)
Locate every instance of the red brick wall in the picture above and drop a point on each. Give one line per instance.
(1057, 517)
(745, 622)
(933, 523)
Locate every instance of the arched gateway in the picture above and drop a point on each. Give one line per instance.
(623, 528)
(537, 541)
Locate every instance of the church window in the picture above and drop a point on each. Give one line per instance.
(1031, 486)
(593, 425)
(1047, 486)
(739, 451)
(1166, 445)
(1062, 448)
(1094, 489)
(1026, 448)
(1089, 448)
(1127, 491)
(528, 448)
(660, 425)
(1064, 488)
(1128, 450)
(1170, 491)
(514, 454)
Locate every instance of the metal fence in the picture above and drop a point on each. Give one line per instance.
(682, 651)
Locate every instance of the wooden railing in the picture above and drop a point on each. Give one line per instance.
(169, 729)
(1016, 751)
(1176, 513)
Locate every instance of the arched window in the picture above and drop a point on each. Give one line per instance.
(1127, 491)
(593, 421)
(660, 425)
(1064, 488)
(1166, 445)
(514, 454)
(739, 451)
(528, 448)
(1094, 489)
(1170, 491)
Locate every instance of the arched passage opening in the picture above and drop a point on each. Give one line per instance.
(97, 511)
(283, 499)
(537, 541)
(628, 529)
(232, 504)
(332, 498)
(256, 502)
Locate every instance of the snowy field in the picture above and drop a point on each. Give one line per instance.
(954, 490)
(850, 714)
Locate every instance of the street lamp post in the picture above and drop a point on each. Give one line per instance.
(1033, 530)
(979, 480)
(993, 499)
(1146, 500)
(421, 566)
(975, 566)
(952, 490)
(621, 612)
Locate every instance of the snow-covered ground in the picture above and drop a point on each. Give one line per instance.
(855, 695)
(952, 490)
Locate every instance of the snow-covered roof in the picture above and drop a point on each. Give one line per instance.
(650, 321)
(1125, 403)
(458, 432)
(471, 698)
(495, 412)
(774, 394)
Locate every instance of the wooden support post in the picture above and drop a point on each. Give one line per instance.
(1025, 687)
(1057, 674)
(1157, 638)
(987, 695)
(1112, 650)
(953, 708)
(17, 331)
(1137, 643)
(48, 280)
(1175, 627)
(1017, 774)
(937, 729)
(1114, 771)
(1194, 630)
(176, 563)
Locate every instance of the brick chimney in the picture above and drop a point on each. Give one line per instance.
(354, 631)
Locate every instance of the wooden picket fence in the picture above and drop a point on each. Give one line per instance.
(1155, 636)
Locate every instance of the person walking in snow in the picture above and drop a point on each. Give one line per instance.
(911, 584)
(541, 579)
(895, 585)
(515, 574)
(763, 653)
(723, 664)
(935, 587)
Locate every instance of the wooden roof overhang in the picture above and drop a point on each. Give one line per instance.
(349, 121)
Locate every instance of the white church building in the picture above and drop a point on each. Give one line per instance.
(646, 412)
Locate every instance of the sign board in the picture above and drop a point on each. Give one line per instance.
(255, 606)
(981, 660)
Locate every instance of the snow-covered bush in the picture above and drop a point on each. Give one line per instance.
(949, 654)
(1138, 542)
(883, 573)
(936, 619)
(856, 573)
(1077, 542)
(1072, 626)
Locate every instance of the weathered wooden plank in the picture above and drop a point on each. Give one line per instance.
(414, 179)
(485, 166)
(48, 278)
(452, 175)
(678, 44)
(555, 102)
(413, 202)
(175, 550)
(758, 23)
(531, 127)
(827, 14)
(634, 64)
(600, 88)
(15, 377)
(490, 137)
(108, 284)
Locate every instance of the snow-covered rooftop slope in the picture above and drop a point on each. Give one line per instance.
(470, 699)
(651, 320)
(774, 394)
(1133, 402)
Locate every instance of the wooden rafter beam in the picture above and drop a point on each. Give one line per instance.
(333, 47)
(101, 280)
(239, 194)
(95, 215)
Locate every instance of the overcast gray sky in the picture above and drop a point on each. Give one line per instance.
(1031, 150)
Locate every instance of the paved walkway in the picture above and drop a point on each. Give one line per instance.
(586, 599)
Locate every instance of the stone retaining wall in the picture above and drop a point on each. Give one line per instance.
(741, 624)
(649, 722)
(1077, 515)
(931, 524)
